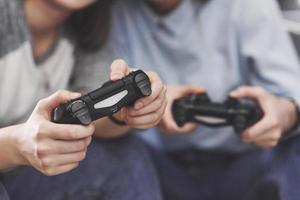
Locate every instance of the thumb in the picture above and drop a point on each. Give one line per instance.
(56, 99)
(245, 92)
(192, 89)
(118, 69)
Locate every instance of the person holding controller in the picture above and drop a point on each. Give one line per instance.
(43, 49)
(235, 48)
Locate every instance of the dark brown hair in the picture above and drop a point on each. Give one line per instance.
(90, 26)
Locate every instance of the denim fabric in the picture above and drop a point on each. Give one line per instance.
(113, 170)
(272, 174)
(3, 195)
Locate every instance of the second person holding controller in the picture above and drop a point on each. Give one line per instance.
(235, 48)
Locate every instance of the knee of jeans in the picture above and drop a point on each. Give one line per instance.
(268, 187)
(3, 194)
(127, 151)
(84, 194)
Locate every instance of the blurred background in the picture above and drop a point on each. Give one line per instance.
(291, 13)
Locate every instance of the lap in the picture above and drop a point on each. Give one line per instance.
(113, 169)
(262, 174)
(3, 195)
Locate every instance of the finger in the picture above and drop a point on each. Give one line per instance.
(59, 97)
(168, 123)
(257, 93)
(268, 141)
(62, 159)
(119, 69)
(67, 131)
(157, 87)
(142, 120)
(153, 123)
(192, 89)
(154, 106)
(150, 118)
(268, 137)
(52, 171)
(256, 130)
(63, 146)
(187, 128)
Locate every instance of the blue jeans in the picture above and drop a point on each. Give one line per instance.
(118, 169)
(3, 195)
(259, 175)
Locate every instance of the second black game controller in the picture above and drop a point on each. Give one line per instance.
(239, 113)
(105, 101)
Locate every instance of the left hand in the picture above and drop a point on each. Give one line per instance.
(280, 115)
(147, 111)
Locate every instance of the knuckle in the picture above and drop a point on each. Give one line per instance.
(274, 143)
(71, 134)
(158, 103)
(155, 116)
(39, 132)
(41, 102)
(42, 150)
(60, 92)
(45, 163)
(82, 155)
(81, 145)
(276, 136)
(48, 171)
(40, 128)
(157, 122)
(274, 122)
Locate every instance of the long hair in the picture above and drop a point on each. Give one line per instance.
(90, 26)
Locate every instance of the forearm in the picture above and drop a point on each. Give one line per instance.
(105, 128)
(9, 156)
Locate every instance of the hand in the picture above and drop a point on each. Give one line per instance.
(147, 111)
(168, 124)
(52, 148)
(279, 116)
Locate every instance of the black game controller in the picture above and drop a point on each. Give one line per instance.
(104, 101)
(240, 113)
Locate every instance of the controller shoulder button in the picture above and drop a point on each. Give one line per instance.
(81, 112)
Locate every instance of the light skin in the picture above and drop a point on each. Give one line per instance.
(56, 148)
(266, 133)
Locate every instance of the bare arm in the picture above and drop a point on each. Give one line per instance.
(9, 156)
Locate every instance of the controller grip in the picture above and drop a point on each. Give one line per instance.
(104, 101)
(179, 112)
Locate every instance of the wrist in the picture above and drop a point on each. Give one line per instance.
(10, 154)
(292, 115)
(16, 144)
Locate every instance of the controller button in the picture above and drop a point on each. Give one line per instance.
(77, 105)
(83, 116)
(145, 88)
(115, 109)
(140, 77)
(240, 123)
(81, 112)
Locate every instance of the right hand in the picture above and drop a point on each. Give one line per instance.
(168, 124)
(146, 112)
(52, 148)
